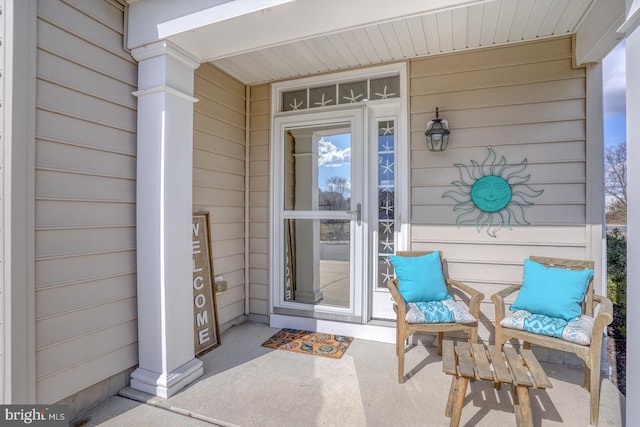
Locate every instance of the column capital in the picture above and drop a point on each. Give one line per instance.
(165, 48)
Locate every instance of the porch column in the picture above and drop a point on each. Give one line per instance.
(630, 29)
(164, 216)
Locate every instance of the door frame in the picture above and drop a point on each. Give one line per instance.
(279, 315)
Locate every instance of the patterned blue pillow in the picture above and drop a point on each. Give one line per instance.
(420, 278)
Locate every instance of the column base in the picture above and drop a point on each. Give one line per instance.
(166, 385)
(309, 297)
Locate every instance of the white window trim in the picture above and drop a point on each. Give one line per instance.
(326, 79)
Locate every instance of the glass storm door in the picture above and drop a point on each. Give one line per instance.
(319, 231)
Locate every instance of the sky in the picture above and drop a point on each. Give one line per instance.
(614, 89)
(334, 159)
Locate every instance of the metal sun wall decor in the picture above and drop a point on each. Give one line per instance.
(493, 194)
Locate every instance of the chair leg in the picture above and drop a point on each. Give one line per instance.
(500, 345)
(594, 391)
(587, 377)
(440, 338)
(401, 337)
(400, 351)
(499, 340)
(473, 335)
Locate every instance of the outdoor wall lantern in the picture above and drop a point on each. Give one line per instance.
(437, 134)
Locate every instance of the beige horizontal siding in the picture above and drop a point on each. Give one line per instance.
(515, 94)
(556, 152)
(494, 58)
(59, 297)
(100, 111)
(78, 19)
(85, 258)
(91, 370)
(526, 102)
(497, 75)
(79, 132)
(83, 213)
(219, 179)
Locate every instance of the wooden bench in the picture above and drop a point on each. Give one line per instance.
(478, 362)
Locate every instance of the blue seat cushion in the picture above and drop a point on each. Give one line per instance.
(576, 331)
(445, 311)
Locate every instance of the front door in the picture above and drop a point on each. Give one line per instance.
(340, 188)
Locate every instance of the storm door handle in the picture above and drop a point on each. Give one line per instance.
(358, 213)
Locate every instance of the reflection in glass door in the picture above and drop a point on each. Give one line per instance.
(317, 180)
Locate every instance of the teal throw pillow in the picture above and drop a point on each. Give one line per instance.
(553, 292)
(420, 278)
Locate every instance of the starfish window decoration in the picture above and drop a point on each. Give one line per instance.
(387, 245)
(387, 276)
(323, 102)
(384, 94)
(388, 168)
(387, 148)
(353, 98)
(387, 130)
(387, 206)
(387, 227)
(296, 105)
(387, 261)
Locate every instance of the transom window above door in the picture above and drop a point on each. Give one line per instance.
(348, 92)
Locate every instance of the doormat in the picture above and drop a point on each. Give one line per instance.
(308, 342)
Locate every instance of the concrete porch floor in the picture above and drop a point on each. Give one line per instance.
(245, 384)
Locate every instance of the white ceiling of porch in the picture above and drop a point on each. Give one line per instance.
(468, 25)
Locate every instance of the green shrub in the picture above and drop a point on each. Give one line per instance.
(617, 274)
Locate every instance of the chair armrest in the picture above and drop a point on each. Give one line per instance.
(498, 300)
(604, 316)
(475, 296)
(401, 305)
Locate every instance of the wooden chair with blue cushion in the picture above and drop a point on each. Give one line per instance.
(423, 303)
(556, 307)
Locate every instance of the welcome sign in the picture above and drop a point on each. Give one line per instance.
(205, 313)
